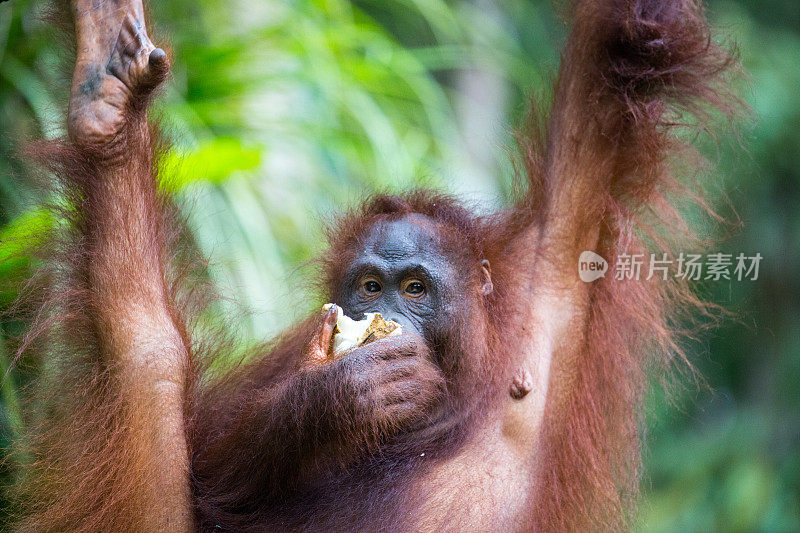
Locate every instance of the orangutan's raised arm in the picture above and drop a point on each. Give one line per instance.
(121, 463)
(632, 71)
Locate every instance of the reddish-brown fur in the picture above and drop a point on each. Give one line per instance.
(600, 175)
(642, 69)
(365, 478)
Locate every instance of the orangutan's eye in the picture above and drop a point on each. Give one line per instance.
(372, 287)
(414, 288)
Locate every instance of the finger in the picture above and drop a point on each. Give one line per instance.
(158, 61)
(156, 71)
(408, 345)
(405, 390)
(328, 326)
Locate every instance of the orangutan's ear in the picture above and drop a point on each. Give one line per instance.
(486, 271)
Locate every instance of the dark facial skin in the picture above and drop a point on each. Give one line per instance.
(390, 385)
(402, 274)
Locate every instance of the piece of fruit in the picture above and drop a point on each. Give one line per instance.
(350, 333)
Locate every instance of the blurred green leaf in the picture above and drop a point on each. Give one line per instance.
(213, 162)
(24, 233)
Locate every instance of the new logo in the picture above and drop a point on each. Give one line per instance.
(591, 266)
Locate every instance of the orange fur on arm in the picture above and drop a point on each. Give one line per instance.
(107, 450)
(634, 72)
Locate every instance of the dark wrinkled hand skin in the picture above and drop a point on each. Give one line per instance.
(116, 71)
(396, 379)
(393, 381)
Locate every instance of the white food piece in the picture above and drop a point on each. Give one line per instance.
(351, 333)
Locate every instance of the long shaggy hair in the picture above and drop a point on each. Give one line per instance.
(633, 74)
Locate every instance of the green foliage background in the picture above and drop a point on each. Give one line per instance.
(285, 112)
